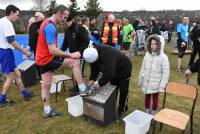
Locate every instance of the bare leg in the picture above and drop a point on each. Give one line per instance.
(75, 65)
(179, 63)
(9, 78)
(18, 79)
(46, 84)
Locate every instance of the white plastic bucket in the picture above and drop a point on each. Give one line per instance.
(53, 87)
(137, 122)
(75, 105)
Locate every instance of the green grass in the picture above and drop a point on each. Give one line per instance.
(25, 117)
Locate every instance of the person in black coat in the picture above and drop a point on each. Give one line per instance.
(93, 30)
(195, 36)
(195, 67)
(115, 68)
(154, 29)
(34, 33)
(76, 38)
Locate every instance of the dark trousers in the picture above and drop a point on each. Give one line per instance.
(169, 36)
(122, 87)
(181, 49)
(196, 49)
(148, 101)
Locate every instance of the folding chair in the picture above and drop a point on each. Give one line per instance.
(172, 117)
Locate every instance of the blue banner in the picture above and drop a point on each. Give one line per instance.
(96, 41)
(22, 40)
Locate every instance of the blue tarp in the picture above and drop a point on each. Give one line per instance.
(23, 41)
(96, 42)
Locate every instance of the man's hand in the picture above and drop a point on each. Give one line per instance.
(27, 54)
(75, 55)
(96, 32)
(183, 44)
(188, 74)
(96, 85)
(91, 83)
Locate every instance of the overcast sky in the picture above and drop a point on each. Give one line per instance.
(118, 5)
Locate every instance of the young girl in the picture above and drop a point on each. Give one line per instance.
(154, 72)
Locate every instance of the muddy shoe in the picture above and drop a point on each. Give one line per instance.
(7, 103)
(52, 114)
(27, 94)
(87, 92)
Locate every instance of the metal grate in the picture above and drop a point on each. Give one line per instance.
(25, 65)
(103, 94)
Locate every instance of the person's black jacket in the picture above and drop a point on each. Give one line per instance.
(33, 35)
(93, 28)
(195, 33)
(135, 25)
(163, 27)
(196, 68)
(76, 38)
(111, 63)
(154, 28)
(142, 28)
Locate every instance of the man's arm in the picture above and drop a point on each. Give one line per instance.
(194, 68)
(55, 51)
(18, 47)
(50, 33)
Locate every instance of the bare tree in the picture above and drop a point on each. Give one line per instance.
(41, 5)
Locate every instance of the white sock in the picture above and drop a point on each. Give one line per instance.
(147, 110)
(47, 109)
(82, 87)
(153, 112)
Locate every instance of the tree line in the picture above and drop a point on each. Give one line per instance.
(93, 9)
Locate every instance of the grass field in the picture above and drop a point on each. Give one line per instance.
(25, 117)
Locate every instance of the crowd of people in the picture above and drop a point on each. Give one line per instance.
(110, 57)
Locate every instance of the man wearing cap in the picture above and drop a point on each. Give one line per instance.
(115, 68)
(33, 34)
